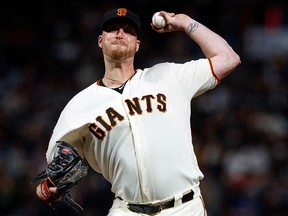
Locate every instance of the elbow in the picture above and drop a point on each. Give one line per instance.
(236, 60)
(225, 63)
(232, 61)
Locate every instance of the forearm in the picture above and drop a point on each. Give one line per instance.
(214, 47)
(210, 42)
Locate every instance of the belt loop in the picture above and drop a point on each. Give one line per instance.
(178, 199)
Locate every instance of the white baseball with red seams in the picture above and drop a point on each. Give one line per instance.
(158, 20)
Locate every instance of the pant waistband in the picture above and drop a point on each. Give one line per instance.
(157, 207)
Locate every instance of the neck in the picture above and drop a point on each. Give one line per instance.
(117, 72)
(112, 80)
(117, 78)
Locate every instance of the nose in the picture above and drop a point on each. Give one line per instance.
(120, 32)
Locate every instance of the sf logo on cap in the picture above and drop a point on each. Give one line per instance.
(121, 11)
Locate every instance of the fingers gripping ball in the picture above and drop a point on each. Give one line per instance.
(158, 20)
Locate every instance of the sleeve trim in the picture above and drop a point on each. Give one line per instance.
(212, 70)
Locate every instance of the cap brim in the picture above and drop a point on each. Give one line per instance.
(106, 24)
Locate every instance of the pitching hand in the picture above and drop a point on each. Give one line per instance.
(175, 22)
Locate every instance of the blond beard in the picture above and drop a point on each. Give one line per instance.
(118, 54)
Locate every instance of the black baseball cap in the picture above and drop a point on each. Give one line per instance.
(121, 14)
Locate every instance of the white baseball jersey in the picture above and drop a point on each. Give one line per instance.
(139, 140)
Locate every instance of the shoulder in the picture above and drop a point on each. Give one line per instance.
(83, 93)
(81, 99)
(167, 68)
(177, 65)
(157, 69)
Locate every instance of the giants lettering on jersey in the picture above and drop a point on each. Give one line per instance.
(134, 106)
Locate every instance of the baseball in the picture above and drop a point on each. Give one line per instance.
(158, 20)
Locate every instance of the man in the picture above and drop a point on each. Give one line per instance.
(133, 126)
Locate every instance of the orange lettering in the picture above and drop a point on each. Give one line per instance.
(121, 12)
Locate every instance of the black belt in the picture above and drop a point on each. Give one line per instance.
(155, 208)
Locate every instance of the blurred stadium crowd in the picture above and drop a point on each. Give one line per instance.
(49, 52)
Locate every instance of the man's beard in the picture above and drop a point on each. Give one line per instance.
(118, 54)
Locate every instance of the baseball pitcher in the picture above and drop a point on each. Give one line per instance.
(133, 125)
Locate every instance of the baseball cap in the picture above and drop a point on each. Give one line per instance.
(121, 14)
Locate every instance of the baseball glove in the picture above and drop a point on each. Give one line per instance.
(65, 171)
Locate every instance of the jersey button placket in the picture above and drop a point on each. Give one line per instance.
(140, 151)
(141, 154)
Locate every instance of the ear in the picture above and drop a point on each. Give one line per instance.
(100, 38)
(137, 45)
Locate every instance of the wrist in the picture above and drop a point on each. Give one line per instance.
(43, 191)
(192, 26)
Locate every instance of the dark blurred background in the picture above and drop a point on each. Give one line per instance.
(49, 52)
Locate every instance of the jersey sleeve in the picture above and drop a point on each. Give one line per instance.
(194, 77)
(62, 131)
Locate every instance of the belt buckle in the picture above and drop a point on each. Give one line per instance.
(151, 209)
(158, 208)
